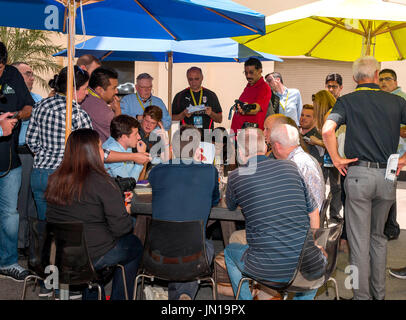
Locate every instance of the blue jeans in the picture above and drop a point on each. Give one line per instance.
(128, 252)
(9, 218)
(39, 181)
(176, 289)
(233, 257)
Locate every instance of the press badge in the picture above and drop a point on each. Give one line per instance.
(198, 121)
(392, 167)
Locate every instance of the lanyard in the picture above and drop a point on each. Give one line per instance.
(193, 97)
(366, 88)
(139, 100)
(94, 94)
(286, 102)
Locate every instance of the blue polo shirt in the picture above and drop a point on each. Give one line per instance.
(123, 169)
(183, 192)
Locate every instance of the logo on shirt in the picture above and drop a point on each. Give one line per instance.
(8, 90)
(187, 98)
(204, 99)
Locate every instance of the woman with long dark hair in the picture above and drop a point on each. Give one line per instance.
(81, 190)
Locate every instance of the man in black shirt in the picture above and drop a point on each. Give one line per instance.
(373, 118)
(14, 97)
(193, 96)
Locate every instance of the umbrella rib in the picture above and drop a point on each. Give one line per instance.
(233, 20)
(318, 42)
(381, 26)
(396, 46)
(156, 20)
(255, 37)
(340, 26)
(106, 55)
(390, 29)
(363, 27)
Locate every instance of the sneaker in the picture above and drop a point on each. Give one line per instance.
(398, 273)
(15, 272)
(73, 295)
(45, 293)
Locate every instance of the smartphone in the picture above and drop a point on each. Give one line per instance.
(14, 115)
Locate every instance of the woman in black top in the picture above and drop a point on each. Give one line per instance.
(81, 190)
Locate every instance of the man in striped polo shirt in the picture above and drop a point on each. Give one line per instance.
(278, 212)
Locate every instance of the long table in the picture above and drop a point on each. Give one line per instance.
(141, 207)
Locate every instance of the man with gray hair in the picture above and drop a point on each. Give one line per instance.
(373, 118)
(134, 104)
(285, 144)
(274, 238)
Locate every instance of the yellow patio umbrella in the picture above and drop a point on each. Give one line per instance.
(340, 30)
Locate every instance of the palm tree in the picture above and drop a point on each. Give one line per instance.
(32, 47)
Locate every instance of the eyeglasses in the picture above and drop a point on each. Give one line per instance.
(332, 86)
(29, 74)
(386, 79)
(251, 72)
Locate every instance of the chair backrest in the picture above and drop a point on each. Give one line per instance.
(319, 259)
(71, 254)
(313, 268)
(40, 246)
(176, 251)
(323, 211)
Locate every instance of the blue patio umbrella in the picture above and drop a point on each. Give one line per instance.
(158, 19)
(123, 49)
(212, 50)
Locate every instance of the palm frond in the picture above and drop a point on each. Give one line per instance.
(33, 47)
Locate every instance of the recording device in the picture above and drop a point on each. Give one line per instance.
(10, 117)
(125, 184)
(249, 125)
(392, 167)
(246, 107)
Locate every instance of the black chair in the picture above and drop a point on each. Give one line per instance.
(66, 248)
(323, 211)
(308, 276)
(39, 251)
(175, 252)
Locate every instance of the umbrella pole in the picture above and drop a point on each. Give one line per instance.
(170, 76)
(71, 48)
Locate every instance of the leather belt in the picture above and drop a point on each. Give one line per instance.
(375, 165)
(174, 260)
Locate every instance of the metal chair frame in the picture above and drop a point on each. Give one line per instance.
(147, 274)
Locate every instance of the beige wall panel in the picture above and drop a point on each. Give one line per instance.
(308, 75)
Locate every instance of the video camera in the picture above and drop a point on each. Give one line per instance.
(246, 107)
(125, 184)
